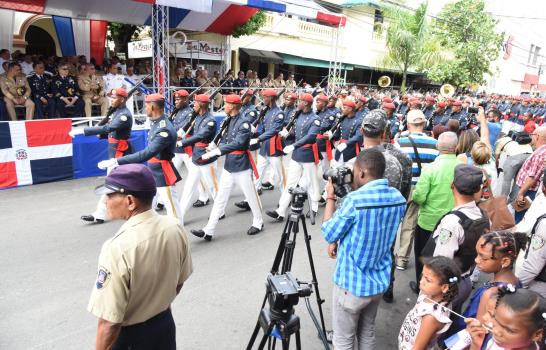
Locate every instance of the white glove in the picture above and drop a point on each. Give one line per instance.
(252, 129)
(254, 141)
(288, 149)
(181, 133)
(341, 147)
(213, 153)
(179, 143)
(283, 133)
(75, 132)
(329, 134)
(105, 164)
(212, 146)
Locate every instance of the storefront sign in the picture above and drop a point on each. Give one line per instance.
(201, 50)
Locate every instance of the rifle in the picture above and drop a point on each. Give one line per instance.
(315, 90)
(112, 109)
(293, 119)
(176, 109)
(337, 124)
(189, 125)
(223, 128)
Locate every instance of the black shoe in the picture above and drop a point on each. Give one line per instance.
(268, 186)
(199, 203)
(259, 191)
(201, 234)
(387, 296)
(308, 215)
(222, 217)
(242, 205)
(322, 202)
(159, 207)
(91, 219)
(414, 287)
(273, 214)
(254, 230)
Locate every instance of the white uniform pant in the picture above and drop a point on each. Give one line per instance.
(204, 173)
(277, 167)
(169, 197)
(183, 158)
(306, 175)
(244, 180)
(101, 213)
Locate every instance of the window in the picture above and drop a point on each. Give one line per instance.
(377, 21)
(537, 54)
(530, 53)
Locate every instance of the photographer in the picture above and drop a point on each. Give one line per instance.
(362, 247)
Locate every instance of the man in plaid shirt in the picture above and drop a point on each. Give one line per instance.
(527, 181)
(361, 233)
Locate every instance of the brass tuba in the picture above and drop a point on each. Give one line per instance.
(384, 81)
(447, 90)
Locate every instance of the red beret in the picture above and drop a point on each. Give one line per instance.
(493, 106)
(306, 97)
(457, 103)
(291, 95)
(527, 100)
(154, 98)
(415, 102)
(247, 92)
(202, 98)
(181, 93)
(118, 92)
(430, 99)
(363, 98)
(405, 97)
(442, 104)
(322, 98)
(349, 103)
(235, 99)
(387, 99)
(389, 105)
(269, 92)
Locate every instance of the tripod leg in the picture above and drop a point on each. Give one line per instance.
(314, 275)
(281, 248)
(298, 340)
(265, 337)
(254, 335)
(286, 343)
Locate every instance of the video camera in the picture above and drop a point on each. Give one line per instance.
(284, 292)
(342, 179)
(299, 196)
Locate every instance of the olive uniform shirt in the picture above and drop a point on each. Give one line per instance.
(140, 269)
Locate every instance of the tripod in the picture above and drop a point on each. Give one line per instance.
(288, 323)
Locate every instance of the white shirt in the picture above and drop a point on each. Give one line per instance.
(537, 208)
(113, 81)
(2, 71)
(26, 68)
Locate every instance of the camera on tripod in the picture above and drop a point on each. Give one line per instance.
(342, 179)
(284, 292)
(299, 196)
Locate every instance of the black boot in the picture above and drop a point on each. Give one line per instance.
(91, 219)
(199, 203)
(242, 205)
(273, 214)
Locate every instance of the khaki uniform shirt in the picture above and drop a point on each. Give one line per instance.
(278, 83)
(140, 268)
(17, 87)
(449, 234)
(536, 259)
(91, 85)
(290, 85)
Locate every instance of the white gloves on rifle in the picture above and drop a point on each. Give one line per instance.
(329, 134)
(109, 163)
(288, 149)
(341, 147)
(284, 133)
(181, 133)
(213, 153)
(252, 129)
(211, 146)
(254, 141)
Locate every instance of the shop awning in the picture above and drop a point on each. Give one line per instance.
(310, 62)
(262, 56)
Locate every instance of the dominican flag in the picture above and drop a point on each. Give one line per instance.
(35, 152)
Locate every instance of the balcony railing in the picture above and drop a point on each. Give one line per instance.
(295, 27)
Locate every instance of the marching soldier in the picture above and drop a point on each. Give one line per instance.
(326, 122)
(404, 106)
(331, 107)
(290, 108)
(40, 85)
(16, 91)
(202, 133)
(118, 130)
(457, 114)
(159, 153)
(248, 109)
(361, 107)
(428, 110)
(437, 116)
(182, 155)
(92, 87)
(237, 169)
(349, 136)
(394, 123)
(65, 91)
(305, 158)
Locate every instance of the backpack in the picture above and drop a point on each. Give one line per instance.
(473, 230)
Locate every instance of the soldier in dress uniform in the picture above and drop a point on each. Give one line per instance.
(187, 81)
(404, 106)
(182, 155)
(66, 93)
(16, 91)
(457, 114)
(141, 269)
(238, 168)
(305, 158)
(327, 120)
(248, 109)
(394, 123)
(428, 109)
(438, 115)
(40, 85)
(348, 136)
(204, 172)
(118, 130)
(159, 153)
(92, 87)
(362, 106)
(240, 82)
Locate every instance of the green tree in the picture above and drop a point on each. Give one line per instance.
(467, 33)
(251, 26)
(408, 41)
(121, 34)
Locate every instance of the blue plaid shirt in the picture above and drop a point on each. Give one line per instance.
(365, 227)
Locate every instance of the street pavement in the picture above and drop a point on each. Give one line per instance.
(49, 260)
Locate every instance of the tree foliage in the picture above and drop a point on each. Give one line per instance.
(121, 34)
(408, 41)
(467, 33)
(251, 26)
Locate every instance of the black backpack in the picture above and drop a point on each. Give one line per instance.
(473, 230)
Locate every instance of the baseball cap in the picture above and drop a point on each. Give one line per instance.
(128, 179)
(467, 179)
(415, 116)
(375, 121)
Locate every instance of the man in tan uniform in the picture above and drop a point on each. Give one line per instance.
(16, 91)
(141, 268)
(92, 87)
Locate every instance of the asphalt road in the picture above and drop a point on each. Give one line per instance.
(49, 259)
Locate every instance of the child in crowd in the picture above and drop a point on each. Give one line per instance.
(497, 253)
(429, 318)
(518, 322)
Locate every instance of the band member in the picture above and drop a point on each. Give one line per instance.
(238, 168)
(159, 153)
(118, 130)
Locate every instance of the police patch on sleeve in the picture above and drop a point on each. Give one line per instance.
(164, 134)
(103, 277)
(123, 118)
(252, 114)
(281, 116)
(210, 123)
(317, 122)
(332, 117)
(537, 242)
(162, 124)
(444, 236)
(246, 126)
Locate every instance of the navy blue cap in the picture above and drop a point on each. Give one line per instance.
(128, 179)
(468, 179)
